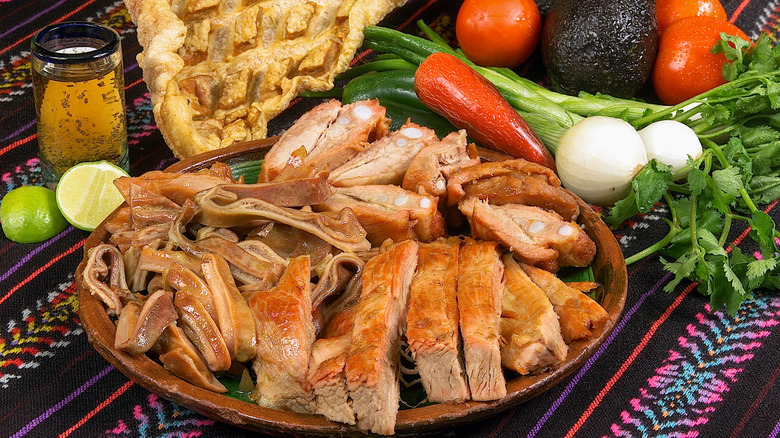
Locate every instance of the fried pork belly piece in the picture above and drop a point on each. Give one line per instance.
(429, 170)
(530, 331)
(372, 368)
(480, 287)
(305, 132)
(432, 322)
(389, 212)
(515, 181)
(285, 334)
(385, 160)
(577, 312)
(536, 236)
(356, 125)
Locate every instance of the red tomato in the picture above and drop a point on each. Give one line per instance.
(669, 11)
(498, 33)
(684, 66)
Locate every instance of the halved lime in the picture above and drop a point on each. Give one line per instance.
(86, 193)
(29, 214)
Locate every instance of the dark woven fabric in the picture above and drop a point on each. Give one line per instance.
(671, 368)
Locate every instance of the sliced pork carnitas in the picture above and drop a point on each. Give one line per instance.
(513, 182)
(577, 312)
(389, 212)
(105, 262)
(290, 193)
(429, 170)
(202, 329)
(179, 356)
(356, 125)
(141, 323)
(326, 367)
(185, 185)
(480, 286)
(305, 132)
(343, 231)
(127, 238)
(536, 236)
(385, 160)
(372, 367)
(234, 317)
(285, 336)
(530, 331)
(432, 322)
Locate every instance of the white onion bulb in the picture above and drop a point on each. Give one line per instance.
(598, 157)
(670, 142)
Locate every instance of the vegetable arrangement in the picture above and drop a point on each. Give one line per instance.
(738, 123)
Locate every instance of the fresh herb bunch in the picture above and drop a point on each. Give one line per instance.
(738, 124)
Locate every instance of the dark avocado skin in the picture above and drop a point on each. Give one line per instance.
(600, 46)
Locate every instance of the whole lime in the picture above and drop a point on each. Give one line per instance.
(29, 214)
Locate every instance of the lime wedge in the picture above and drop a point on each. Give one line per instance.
(86, 193)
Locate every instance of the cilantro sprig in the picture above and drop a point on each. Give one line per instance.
(739, 126)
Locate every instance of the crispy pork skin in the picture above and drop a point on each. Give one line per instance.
(578, 313)
(285, 334)
(536, 236)
(372, 367)
(385, 160)
(530, 331)
(480, 287)
(432, 322)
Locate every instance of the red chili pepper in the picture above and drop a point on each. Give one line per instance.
(457, 92)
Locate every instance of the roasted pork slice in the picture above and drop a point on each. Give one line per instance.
(480, 286)
(356, 125)
(244, 265)
(305, 132)
(285, 334)
(373, 364)
(530, 331)
(430, 168)
(432, 322)
(385, 160)
(578, 313)
(514, 181)
(389, 212)
(536, 236)
(326, 374)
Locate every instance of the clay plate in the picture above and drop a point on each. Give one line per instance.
(609, 268)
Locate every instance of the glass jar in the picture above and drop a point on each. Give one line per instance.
(78, 82)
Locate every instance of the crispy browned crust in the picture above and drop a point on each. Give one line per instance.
(218, 71)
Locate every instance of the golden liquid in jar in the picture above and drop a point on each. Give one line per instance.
(80, 120)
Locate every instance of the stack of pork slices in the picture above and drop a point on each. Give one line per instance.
(355, 240)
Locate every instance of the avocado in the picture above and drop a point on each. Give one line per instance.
(600, 46)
